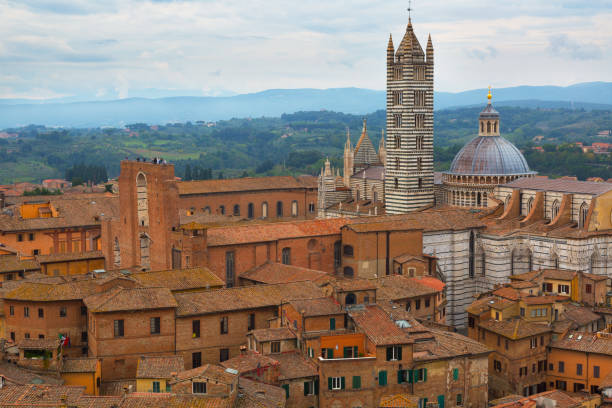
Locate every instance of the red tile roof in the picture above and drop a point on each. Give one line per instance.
(131, 299)
(514, 328)
(246, 184)
(235, 235)
(435, 284)
(317, 307)
(294, 365)
(159, 366)
(249, 361)
(586, 342)
(272, 272)
(378, 326)
(272, 334)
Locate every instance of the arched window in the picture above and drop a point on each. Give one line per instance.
(529, 205)
(419, 164)
(478, 200)
(294, 208)
(337, 253)
(145, 262)
(584, 210)
(142, 200)
(374, 195)
(279, 208)
(512, 262)
(117, 253)
(495, 127)
(419, 142)
(555, 260)
(398, 142)
(593, 263)
(358, 195)
(348, 250)
(236, 210)
(350, 299)
(251, 210)
(530, 260)
(554, 210)
(222, 209)
(286, 256)
(206, 210)
(264, 210)
(488, 127)
(482, 127)
(397, 163)
(483, 263)
(420, 183)
(471, 254)
(348, 272)
(396, 182)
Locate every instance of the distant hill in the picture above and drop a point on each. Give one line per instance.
(273, 103)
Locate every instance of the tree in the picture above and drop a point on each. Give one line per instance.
(188, 175)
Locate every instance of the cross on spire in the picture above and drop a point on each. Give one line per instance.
(409, 10)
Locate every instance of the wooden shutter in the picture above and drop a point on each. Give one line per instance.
(342, 383)
(329, 383)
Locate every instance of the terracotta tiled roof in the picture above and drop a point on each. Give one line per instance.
(479, 306)
(579, 315)
(523, 285)
(446, 345)
(507, 293)
(79, 365)
(74, 211)
(21, 376)
(317, 307)
(272, 334)
(249, 361)
(586, 342)
(501, 303)
(246, 184)
(31, 395)
(561, 398)
(235, 235)
(246, 297)
(559, 274)
(435, 284)
(377, 325)
(514, 328)
(259, 395)
(39, 344)
(544, 300)
(71, 256)
(594, 277)
(12, 263)
(180, 279)
(121, 299)
(445, 219)
(272, 272)
(527, 276)
(352, 285)
(159, 366)
(210, 371)
(559, 185)
(294, 365)
(395, 287)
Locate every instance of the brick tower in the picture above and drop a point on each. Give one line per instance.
(410, 94)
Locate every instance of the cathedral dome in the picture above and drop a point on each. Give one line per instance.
(489, 155)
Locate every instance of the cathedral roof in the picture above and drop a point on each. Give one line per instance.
(410, 45)
(489, 113)
(365, 152)
(489, 155)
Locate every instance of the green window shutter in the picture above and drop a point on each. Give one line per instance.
(347, 352)
(332, 323)
(342, 383)
(424, 374)
(356, 382)
(286, 388)
(440, 401)
(382, 378)
(316, 385)
(355, 351)
(455, 374)
(306, 387)
(399, 354)
(424, 402)
(400, 376)
(330, 353)
(410, 375)
(459, 399)
(329, 383)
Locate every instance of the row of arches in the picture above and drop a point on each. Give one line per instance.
(467, 198)
(494, 180)
(490, 126)
(237, 212)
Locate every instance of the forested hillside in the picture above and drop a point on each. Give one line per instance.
(292, 144)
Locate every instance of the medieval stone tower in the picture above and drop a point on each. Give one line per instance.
(409, 180)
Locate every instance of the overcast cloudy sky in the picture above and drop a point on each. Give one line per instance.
(117, 48)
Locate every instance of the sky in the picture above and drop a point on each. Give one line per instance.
(107, 49)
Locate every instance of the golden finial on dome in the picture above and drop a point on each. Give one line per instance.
(489, 96)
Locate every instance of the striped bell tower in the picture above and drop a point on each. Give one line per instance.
(409, 177)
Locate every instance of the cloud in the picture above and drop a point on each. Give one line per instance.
(482, 54)
(561, 45)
